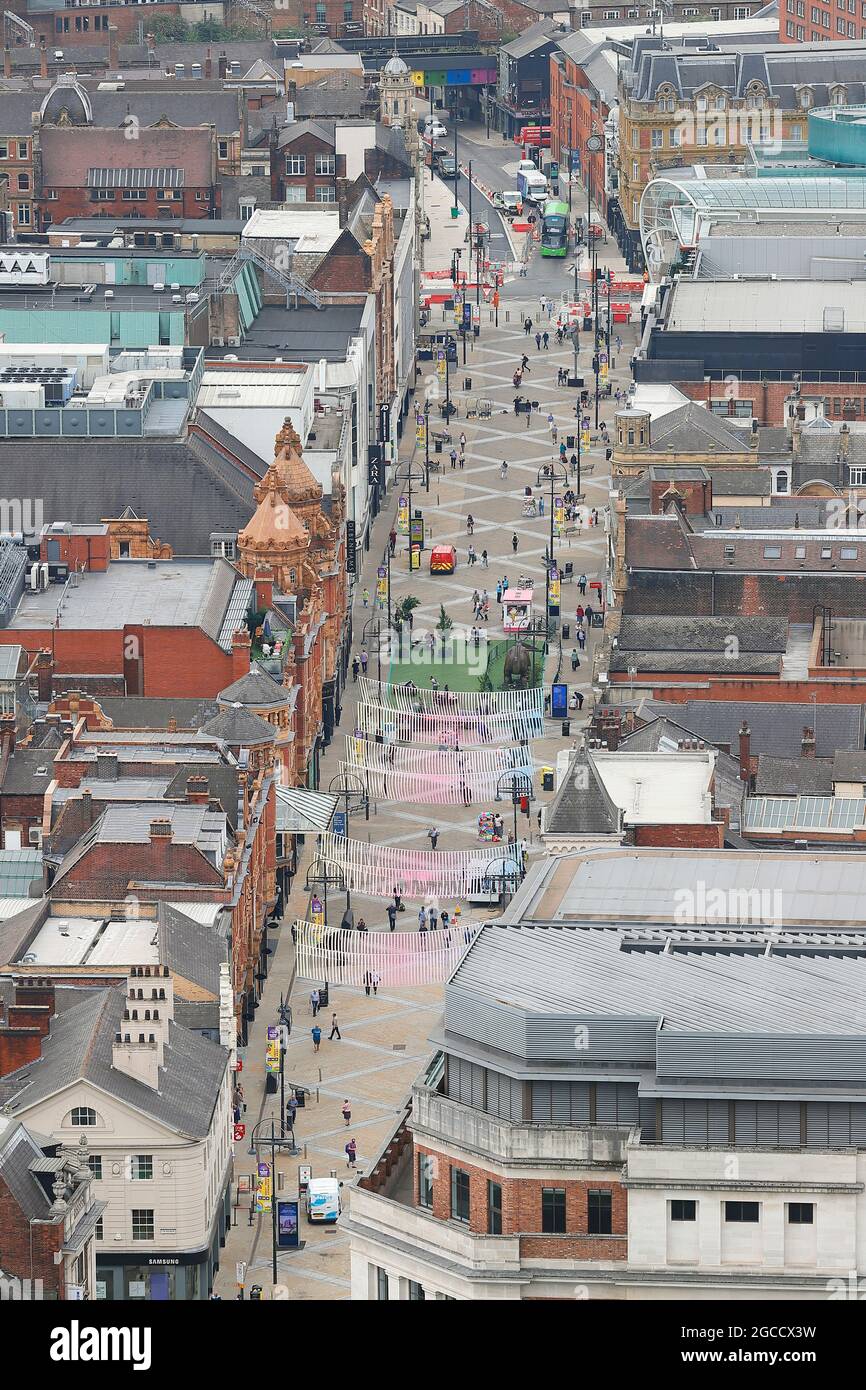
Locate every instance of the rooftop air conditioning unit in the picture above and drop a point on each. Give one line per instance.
(177, 299)
(175, 286)
(233, 342)
(159, 287)
(218, 342)
(109, 294)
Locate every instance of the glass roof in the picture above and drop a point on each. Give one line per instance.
(670, 205)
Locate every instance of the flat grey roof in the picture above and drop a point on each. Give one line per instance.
(301, 335)
(767, 306)
(622, 886)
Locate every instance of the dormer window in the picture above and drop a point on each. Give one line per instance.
(720, 103)
(806, 98)
(838, 96)
(701, 103)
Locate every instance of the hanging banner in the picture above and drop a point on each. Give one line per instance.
(351, 552)
(403, 516)
(272, 1055)
(558, 514)
(317, 912)
(603, 373)
(554, 596)
(264, 1188)
(381, 586)
(584, 439)
(420, 432)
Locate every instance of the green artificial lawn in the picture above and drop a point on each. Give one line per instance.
(451, 669)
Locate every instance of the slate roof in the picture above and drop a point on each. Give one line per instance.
(68, 154)
(532, 40)
(582, 806)
(638, 632)
(17, 1152)
(693, 429)
(204, 104)
(255, 688)
(657, 542)
(143, 712)
(794, 776)
(193, 949)
(314, 101)
(240, 727)
(776, 727)
(320, 130)
(28, 772)
(222, 781)
(849, 766)
(182, 487)
(741, 482)
(782, 69)
(79, 1048)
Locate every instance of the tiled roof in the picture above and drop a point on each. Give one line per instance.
(793, 776)
(582, 806)
(776, 727)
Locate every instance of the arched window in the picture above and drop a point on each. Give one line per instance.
(806, 98)
(81, 1116)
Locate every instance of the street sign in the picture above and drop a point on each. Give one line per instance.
(338, 824)
(594, 143)
(240, 1272)
(403, 516)
(305, 1172)
(240, 1132)
(416, 535)
(272, 1054)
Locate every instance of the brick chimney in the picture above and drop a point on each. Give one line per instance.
(113, 50)
(222, 65)
(44, 677)
(7, 735)
(136, 1052)
(151, 43)
(240, 654)
(264, 582)
(807, 743)
(172, 725)
(208, 65)
(43, 57)
(160, 831)
(745, 753)
(198, 790)
(87, 805)
(7, 61)
(343, 200)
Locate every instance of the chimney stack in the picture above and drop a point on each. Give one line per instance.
(135, 1053)
(113, 50)
(44, 677)
(807, 743)
(7, 734)
(240, 654)
(151, 43)
(745, 753)
(106, 767)
(160, 831)
(264, 582)
(208, 65)
(87, 804)
(198, 790)
(7, 61)
(222, 65)
(43, 57)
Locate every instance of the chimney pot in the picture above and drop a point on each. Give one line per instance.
(160, 829)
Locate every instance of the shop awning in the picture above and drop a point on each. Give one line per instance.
(301, 812)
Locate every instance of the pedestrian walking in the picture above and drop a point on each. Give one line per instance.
(392, 917)
(346, 1112)
(588, 615)
(503, 469)
(356, 666)
(364, 660)
(528, 413)
(392, 540)
(514, 542)
(499, 591)
(527, 325)
(470, 555)
(484, 559)
(335, 1028)
(470, 525)
(550, 423)
(618, 343)
(572, 463)
(365, 598)
(581, 584)
(291, 1109)
(581, 638)
(575, 659)
(463, 443)
(538, 342)
(541, 504)
(367, 983)
(461, 459)
(351, 1153)
(524, 365)
(554, 434)
(314, 1002)
(545, 340)
(317, 1036)
(374, 981)
(433, 836)
(453, 457)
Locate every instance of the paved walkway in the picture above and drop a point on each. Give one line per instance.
(384, 1039)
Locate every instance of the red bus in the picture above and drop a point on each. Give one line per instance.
(533, 135)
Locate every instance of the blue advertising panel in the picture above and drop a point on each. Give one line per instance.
(287, 1225)
(559, 701)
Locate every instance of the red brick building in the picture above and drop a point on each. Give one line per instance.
(832, 20)
(164, 172)
(576, 112)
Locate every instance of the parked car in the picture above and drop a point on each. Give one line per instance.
(446, 166)
(511, 203)
(434, 130)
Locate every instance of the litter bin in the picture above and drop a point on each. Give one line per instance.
(323, 996)
(566, 728)
(476, 329)
(566, 631)
(569, 441)
(301, 1097)
(467, 383)
(547, 779)
(271, 1083)
(348, 922)
(256, 1293)
(598, 620)
(455, 213)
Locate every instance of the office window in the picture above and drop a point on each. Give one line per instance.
(848, 553)
(702, 137)
(99, 1229)
(635, 138)
(610, 14)
(743, 12)
(459, 1195)
(141, 1166)
(796, 132)
(852, 30)
(416, 1291)
(347, 12)
(718, 134)
(684, 1211)
(294, 193)
(599, 1213)
(744, 1213)
(142, 1224)
(22, 149)
(223, 149)
(801, 1213)
(22, 215)
(94, 1163)
(23, 183)
(425, 1180)
(701, 104)
(635, 169)
(553, 1211)
(321, 14)
(81, 1116)
(381, 1285)
(857, 477)
(296, 163)
(494, 1208)
(840, 29)
(715, 12)
(675, 137)
(658, 139)
(325, 193)
(772, 552)
(826, 553)
(4, 150)
(326, 164)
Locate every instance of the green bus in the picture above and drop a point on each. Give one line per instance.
(554, 229)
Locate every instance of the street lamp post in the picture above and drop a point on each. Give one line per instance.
(456, 166)
(520, 786)
(543, 474)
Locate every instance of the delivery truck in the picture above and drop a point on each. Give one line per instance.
(532, 186)
(323, 1200)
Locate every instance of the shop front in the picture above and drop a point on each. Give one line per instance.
(178, 1277)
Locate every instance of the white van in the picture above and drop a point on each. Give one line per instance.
(324, 1203)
